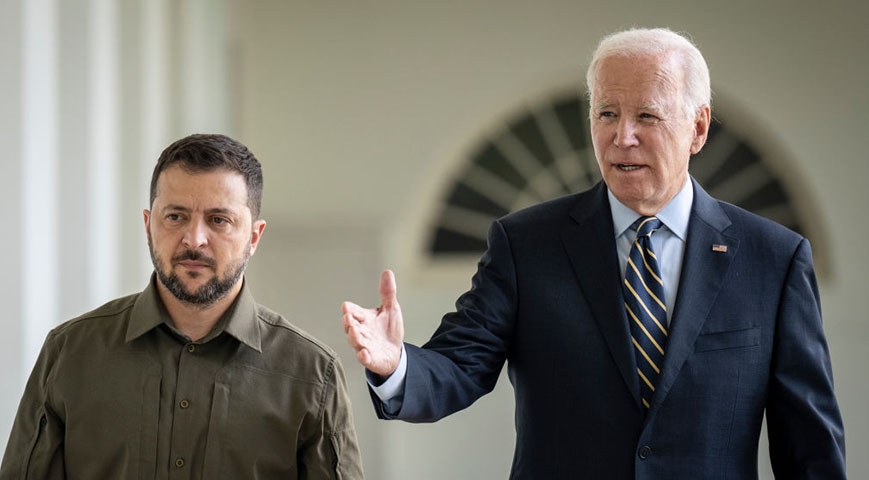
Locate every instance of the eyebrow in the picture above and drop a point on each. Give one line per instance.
(208, 211)
(171, 206)
(654, 107)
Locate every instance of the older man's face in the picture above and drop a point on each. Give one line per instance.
(642, 134)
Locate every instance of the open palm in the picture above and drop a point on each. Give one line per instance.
(376, 334)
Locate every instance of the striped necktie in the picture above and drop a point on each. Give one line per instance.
(644, 302)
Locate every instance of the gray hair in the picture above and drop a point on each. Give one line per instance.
(653, 41)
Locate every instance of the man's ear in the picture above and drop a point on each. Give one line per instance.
(258, 228)
(701, 129)
(147, 217)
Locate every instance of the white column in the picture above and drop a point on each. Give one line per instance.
(87, 190)
(103, 158)
(38, 178)
(155, 131)
(12, 214)
(72, 61)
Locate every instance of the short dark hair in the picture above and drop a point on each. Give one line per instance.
(205, 152)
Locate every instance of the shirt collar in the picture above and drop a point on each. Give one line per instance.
(243, 321)
(240, 320)
(674, 215)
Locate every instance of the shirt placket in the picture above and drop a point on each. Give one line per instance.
(187, 412)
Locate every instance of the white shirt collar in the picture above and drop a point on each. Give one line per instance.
(674, 215)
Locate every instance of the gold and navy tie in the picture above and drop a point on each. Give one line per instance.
(644, 302)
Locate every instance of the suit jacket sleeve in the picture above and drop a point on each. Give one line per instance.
(805, 428)
(465, 355)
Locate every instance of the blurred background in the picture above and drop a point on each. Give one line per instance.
(391, 134)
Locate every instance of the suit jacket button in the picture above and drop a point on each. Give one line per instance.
(644, 452)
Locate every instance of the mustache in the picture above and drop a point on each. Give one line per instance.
(195, 256)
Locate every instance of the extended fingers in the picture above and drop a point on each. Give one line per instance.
(359, 335)
(361, 314)
(347, 321)
(363, 356)
(354, 337)
(350, 307)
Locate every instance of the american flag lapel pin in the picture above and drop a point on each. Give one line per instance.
(719, 248)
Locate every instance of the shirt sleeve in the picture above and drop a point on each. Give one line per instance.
(391, 391)
(334, 454)
(35, 448)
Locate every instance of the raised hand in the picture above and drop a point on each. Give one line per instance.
(376, 334)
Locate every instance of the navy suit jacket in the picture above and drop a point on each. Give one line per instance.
(745, 337)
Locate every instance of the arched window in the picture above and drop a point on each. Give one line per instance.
(544, 151)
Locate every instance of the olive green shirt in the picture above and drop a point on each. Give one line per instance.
(119, 393)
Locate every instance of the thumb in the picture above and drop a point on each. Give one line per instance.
(387, 289)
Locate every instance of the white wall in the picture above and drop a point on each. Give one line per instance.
(359, 113)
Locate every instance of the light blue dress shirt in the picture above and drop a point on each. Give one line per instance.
(668, 243)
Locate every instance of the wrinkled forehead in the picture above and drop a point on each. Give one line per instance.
(648, 78)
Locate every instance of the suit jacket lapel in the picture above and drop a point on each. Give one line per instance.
(703, 272)
(590, 245)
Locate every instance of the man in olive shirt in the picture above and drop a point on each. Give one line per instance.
(190, 378)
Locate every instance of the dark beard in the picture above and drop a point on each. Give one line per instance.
(209, 293)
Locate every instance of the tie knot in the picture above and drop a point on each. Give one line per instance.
(646, 226)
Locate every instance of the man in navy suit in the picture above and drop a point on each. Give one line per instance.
(733, 332)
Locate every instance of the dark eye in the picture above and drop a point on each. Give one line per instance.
(173, 217)
(219, 220)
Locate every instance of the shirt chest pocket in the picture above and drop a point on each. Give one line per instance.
(258, 419)
(748, 337)
(109, 414)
